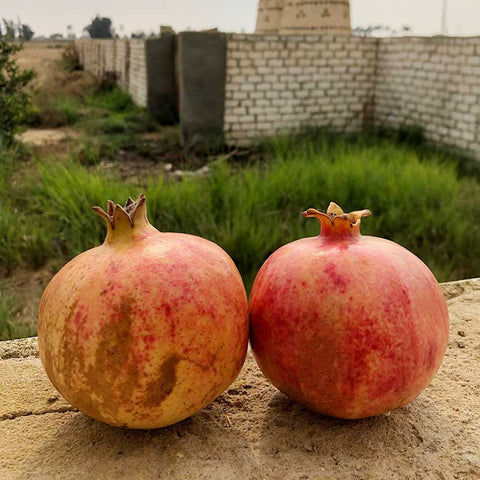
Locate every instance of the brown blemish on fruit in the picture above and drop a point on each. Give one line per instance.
(69, 356)
(159, 390)
(114, 375)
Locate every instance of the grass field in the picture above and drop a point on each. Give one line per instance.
(249, 204)
(251, 210)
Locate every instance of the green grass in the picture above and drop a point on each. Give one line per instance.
(115, 100)
(418, 201)
(252, 211)
(92, 110)
(10, 329)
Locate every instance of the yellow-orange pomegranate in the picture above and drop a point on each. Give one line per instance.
(351, 326)
(146, 329)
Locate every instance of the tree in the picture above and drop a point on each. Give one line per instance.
(9, 29)
(14, 96)
(13, 31)
(25, 33)
(101, 27)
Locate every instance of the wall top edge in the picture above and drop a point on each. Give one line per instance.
(435, 38)
(106, 40)
(329, 37)
(346, 38)
(270, 37)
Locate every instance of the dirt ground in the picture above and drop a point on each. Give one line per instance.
(40, 137)
(42, 57)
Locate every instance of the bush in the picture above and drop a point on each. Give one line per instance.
(70, 59)
(59, 112)
(108, 81)
(14, 97)
(62, 98)
(114, 100)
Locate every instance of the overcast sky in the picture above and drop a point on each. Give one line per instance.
(50, 16)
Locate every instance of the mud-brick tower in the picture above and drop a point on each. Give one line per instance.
(269, 16)
(304, 16)
(316, 16)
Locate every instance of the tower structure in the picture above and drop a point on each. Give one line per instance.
(304, 16)
(269, 16)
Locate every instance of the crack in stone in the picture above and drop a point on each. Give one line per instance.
(24, 413)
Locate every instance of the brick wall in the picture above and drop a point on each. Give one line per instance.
(277, 84)
(118, 55)
(138, 73)
(432, 82)
(281, 83)
(122, 62)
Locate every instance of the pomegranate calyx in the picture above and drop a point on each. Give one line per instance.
(119, 220)
(336, 224)
(335, 212)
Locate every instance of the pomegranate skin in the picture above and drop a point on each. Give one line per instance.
(350, 326)
(144, 332)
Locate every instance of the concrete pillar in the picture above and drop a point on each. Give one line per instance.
(320, 16)
(162, 97)
(201, 67)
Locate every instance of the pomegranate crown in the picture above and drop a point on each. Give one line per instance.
(127, 223)
(134, 212)
(336, 221)
(334, 212)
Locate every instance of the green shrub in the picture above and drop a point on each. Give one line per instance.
(70, 60)
(15, 103)
(115, 100)
(60, 111)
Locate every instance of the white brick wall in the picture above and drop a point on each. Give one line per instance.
(97, 56)
(432, 82)
(282, 83)
(126, 57)
(278, 83)
(138, 72)
(122, 62)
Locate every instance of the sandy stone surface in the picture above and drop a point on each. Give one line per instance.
(252, 431)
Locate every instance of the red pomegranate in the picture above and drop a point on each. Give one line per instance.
(351, 326)
(146, 329)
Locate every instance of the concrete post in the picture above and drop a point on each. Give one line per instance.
(162, 98)
(201, 67)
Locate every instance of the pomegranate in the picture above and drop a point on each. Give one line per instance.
(146, 329)
(351, 326)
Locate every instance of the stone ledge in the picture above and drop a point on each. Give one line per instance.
(23, 348)
(252, 431)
